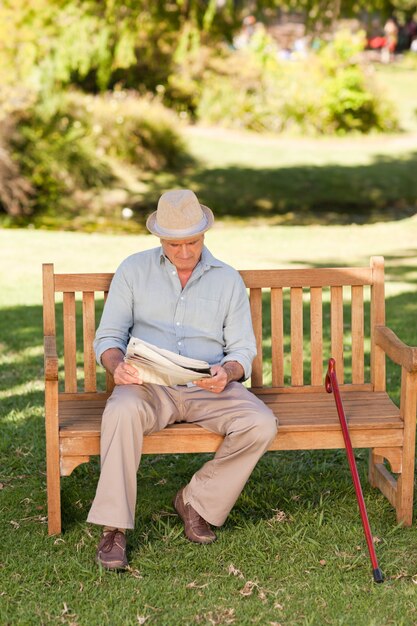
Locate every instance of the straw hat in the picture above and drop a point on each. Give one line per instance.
(179, 215)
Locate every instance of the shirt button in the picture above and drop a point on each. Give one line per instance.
(179, 343)
(178, 323)
(174, 272)
(182, 298)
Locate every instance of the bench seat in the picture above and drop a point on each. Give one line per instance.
(306, 421)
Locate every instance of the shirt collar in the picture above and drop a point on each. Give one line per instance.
(207, 259)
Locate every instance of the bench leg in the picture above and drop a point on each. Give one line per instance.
(54, 501)
(399, 492)
(404, 507)
(53, 474)
(405, 489)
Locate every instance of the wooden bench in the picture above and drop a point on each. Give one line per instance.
(301, 317)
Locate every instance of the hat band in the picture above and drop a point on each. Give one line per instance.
(185, 232)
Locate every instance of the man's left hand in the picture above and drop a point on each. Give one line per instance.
(217, 382)
(221, 375)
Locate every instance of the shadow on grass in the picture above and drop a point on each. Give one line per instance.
(384, 190)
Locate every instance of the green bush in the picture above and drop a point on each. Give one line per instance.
(236, 97)
(349, 104)
(59, 156)
(350, 100)
(138, 130)
(54, 153)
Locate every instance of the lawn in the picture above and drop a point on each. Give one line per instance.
(292, 551)
(398, 82)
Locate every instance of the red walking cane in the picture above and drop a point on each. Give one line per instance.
(332, 385)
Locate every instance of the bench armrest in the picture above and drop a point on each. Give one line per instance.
(398, 351)
(50, 358)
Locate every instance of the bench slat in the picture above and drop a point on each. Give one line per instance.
(316, 335)
(192, 442)
(377, 319)
(70, 363)
(89, 329)
(297, 376)
(82, 282)
(357, 335)
(336, 329)
(317, 277)
(48, 300)
(256, 313)
(277, 337)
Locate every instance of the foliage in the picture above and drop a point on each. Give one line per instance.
(170, 49)
(325, 93)
(16, 192)
(98, 43)
(47, 44)
(351, 100)
(53, 153)
(140, 131)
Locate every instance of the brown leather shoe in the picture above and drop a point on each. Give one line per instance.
(111, 551)
(195, 527)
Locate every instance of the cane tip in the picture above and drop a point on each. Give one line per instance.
(378, 575)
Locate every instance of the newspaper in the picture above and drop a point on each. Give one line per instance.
(163, 367)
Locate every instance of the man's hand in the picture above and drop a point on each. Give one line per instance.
(221, 376)
(123, 373)
(126, 374)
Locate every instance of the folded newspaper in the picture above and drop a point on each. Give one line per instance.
(163, 367)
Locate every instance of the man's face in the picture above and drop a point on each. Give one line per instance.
(184, 253)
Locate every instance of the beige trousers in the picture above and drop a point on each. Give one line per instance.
(133, 411)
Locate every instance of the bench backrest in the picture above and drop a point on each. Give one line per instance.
(301, 317)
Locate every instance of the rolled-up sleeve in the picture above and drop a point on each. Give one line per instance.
(117, 318)
(239, 338)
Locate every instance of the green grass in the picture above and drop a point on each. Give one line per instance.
(292, 551)
(398, 83)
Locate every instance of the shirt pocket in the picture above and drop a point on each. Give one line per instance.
(209, 316)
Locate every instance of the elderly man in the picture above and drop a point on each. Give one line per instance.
(178, 297)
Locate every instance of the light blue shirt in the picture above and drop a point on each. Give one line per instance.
(209, 319)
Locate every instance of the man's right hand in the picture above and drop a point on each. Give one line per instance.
(123, 373)
(126, 374)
